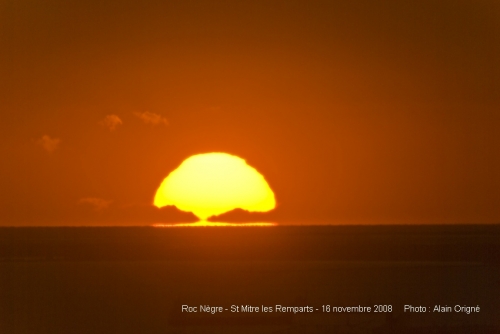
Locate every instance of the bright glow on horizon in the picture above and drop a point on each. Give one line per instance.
(213, 183)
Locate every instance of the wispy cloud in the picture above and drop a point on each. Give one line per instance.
(111, 122)
(151, 118)
(97, 203)
(49, 144)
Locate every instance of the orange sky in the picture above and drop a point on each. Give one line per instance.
(355, 112)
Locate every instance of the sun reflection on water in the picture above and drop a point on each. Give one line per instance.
(216, 224)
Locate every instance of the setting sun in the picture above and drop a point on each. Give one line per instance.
(213, 183)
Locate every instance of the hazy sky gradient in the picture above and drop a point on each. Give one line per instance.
(355, 112)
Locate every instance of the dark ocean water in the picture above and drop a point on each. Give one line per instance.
(136, 279)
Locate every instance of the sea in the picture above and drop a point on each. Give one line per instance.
(252, 279)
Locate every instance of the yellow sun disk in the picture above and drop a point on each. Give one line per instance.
(213, 183)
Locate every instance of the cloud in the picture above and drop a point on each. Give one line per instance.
(243, 216)
(151, 118)
(116, 214)
(111, 122)
(97, 203)
(49, 144)
(91, 212)
(149, 214)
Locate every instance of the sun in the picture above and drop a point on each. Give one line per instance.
(213, 183)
